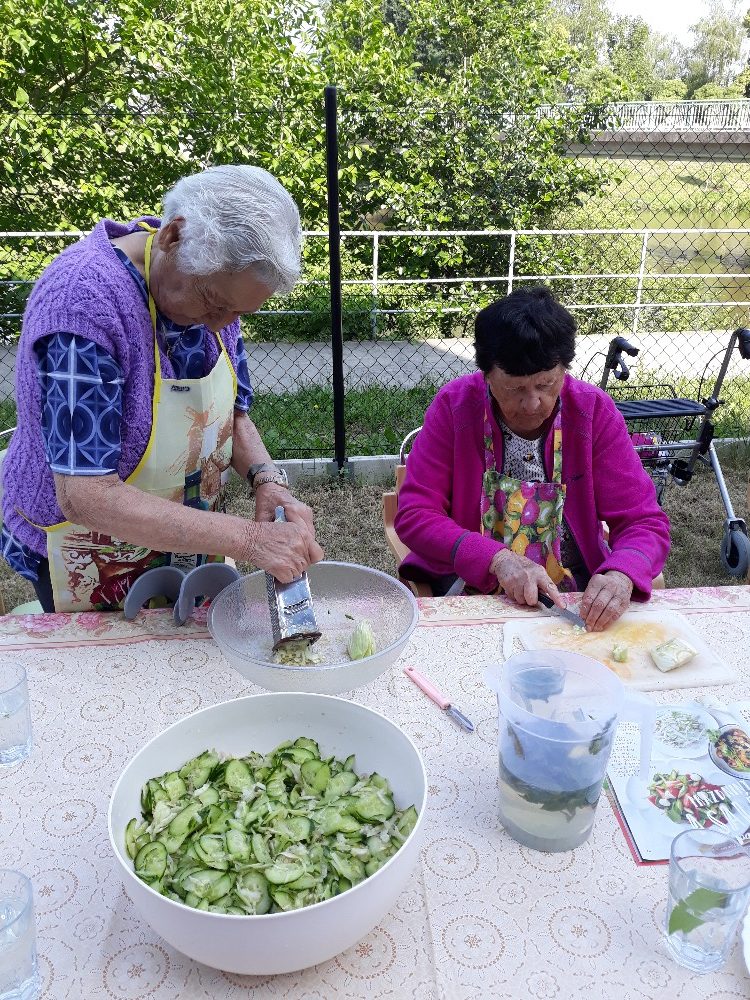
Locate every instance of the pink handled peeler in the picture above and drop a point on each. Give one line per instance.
(440, 700)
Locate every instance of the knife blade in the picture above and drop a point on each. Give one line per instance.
(459, 717)
(569, 616)
(439, 699)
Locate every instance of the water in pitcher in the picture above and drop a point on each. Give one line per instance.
(547, 792)
(557, 718)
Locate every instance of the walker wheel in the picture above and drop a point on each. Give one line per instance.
(735, 553)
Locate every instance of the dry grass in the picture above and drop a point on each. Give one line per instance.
(349, 525)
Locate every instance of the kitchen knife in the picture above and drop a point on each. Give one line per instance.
(569, 616)
(440, 700)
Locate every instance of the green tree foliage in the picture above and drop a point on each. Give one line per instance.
(103, 105)
(617, 58)
(713, 57)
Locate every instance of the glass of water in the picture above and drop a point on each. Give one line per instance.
(19, 977)
(15, 717)
(709, 888)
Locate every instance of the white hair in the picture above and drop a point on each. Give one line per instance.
(237, 217)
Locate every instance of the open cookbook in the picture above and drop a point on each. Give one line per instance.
(699, 776)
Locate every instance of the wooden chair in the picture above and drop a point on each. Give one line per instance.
(390, 506)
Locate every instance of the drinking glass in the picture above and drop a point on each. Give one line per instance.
(709, 888)
(15, 717)
(19, 977)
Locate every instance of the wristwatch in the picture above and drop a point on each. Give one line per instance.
(265, 472)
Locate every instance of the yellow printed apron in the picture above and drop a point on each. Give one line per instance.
(187, 460)
(526, 516)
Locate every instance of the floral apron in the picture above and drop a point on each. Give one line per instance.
(526, 516)
(186, 460)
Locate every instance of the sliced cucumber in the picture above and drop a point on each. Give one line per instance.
(348, 867)
(407, 821)
(373, 805)
(251, 890)
(174, 786)
(151, 861)
(282, 872)
(185, 821)
(295, 828)
(211, 850)
(198, 770)
(208, 884)
(316, 774)
(237, 845)
(340, 784)
(264, 833)
(237, 776)
(133, 831)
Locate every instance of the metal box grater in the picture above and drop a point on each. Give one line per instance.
(291, 607)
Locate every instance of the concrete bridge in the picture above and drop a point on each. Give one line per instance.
(670, 130)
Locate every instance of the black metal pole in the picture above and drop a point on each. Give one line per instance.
(334, 270)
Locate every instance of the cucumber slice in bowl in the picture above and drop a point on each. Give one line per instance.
(279, 831)
(305, 923)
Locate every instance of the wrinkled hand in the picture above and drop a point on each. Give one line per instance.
(605, 599)
(522, 579)
(269, 496)
(285, 549)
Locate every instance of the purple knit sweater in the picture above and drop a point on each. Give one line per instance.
(439, 500)
(87, 291)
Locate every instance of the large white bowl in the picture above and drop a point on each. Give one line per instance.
(343, 593)
(278, 942)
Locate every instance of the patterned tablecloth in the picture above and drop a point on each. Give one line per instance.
(481, 916)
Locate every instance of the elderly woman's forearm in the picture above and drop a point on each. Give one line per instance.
(247, 445)
(108, 505)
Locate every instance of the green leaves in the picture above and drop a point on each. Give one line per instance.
(690, 912)
(103, 107)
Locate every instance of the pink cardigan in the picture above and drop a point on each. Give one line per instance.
(440, 497)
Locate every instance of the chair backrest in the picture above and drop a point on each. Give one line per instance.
(402, 456)
(390, 507)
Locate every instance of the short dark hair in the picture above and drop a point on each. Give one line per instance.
(524, 333)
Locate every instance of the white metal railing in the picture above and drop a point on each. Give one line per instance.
(376, 281)
(668, 116)
(512, 277)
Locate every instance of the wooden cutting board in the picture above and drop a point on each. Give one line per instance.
(640, 631)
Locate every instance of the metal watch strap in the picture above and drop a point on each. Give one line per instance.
(278, 476)
(254, 470)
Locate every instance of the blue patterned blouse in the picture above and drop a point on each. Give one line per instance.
(81, 387)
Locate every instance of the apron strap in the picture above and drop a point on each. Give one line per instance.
(557, 448)
(152, 312)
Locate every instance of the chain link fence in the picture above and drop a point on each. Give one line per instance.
(638, 216)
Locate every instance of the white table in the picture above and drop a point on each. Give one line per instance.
(481, 917)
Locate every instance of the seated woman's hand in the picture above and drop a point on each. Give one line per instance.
(605, 599)
(523, 579)
(284, 549)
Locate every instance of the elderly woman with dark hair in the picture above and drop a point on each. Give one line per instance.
(133, 395)
(516, 468)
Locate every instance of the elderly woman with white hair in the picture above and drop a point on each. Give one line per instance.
(133, 395)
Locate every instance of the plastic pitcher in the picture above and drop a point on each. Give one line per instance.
(557, 718)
